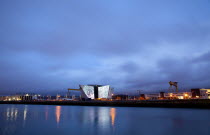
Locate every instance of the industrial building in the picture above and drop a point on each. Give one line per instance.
(154, 96)
(200, 93)
(178, 95)
(120, 97)
(170, 95)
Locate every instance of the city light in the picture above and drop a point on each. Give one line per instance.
(58, 113)
(113, 115)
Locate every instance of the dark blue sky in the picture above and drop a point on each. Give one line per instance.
(50, 45)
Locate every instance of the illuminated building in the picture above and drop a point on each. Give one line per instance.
(163, 95)
(201, 93)
(20, 97)
(178, 95)
(154, 96)
(95, 91)
(120, 97)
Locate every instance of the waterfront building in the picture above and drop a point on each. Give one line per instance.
(96, 91)
(152, 96)
(20, 97)
(200, 93)
(178, 95)
(2, 98)
(120, 97)
(163, 95)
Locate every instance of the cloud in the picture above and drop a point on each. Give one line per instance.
(129, 45)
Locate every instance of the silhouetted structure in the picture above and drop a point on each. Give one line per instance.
(171, 89)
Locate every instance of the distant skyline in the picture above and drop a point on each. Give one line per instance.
(48, 45)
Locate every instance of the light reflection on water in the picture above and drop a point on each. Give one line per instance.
(58, 113)
(44, 119)
(25, 112)
(11, 113)
(46, 112)
(112, 115)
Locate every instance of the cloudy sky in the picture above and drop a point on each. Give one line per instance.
(47, 46)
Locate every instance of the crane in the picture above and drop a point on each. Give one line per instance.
(73, 90)
(175, 84)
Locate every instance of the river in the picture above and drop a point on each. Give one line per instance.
(89, 120)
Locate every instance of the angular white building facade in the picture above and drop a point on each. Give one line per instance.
(104, 92)
(87, 91)
(96, 91)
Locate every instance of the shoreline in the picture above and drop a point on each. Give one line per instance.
(195, 103)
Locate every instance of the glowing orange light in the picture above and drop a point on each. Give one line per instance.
(113, 114)
(58, 113)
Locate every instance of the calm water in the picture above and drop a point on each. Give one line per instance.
(79, 120)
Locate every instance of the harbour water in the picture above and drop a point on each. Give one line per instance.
(90, 120)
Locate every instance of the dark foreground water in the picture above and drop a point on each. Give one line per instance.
(85, 120)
